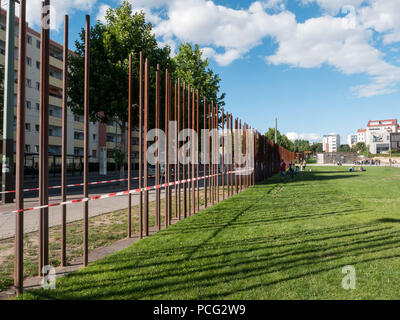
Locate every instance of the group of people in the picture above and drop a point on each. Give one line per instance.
(292, 170)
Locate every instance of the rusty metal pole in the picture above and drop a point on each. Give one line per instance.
(198, 153)
(232, 153)
(223, 153)
(205, 181)
(176, 149)
(86, 145)
(64, 147)
(145, 129)
(184, 165)
(212, 153)
(158, 211)
(192, 154)
(178, 177)
(227, 166)
(141, 144)
(189, 163)
(20, 149)
(169, 211)
(166, 147)
(210, 170)
(237, 141)
(217, 147)
(130, 101)
(44, 137)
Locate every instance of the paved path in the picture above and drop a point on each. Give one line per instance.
(74, 211)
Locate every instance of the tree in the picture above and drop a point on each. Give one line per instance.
(283, 141)
(316, 147)
(123, 33)
(344, 148)
(359, 147)
(301, 145)
(191, 68)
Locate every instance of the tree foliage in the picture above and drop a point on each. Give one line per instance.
(359, 147)
(301, 145)
(316, 147)
(283, 140)
(344, 148)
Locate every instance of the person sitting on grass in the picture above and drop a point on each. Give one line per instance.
(351, 169)
(297, 169)
(362, 169)
(283, 170)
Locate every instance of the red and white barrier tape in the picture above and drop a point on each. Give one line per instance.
(76, 185)
(115, 194)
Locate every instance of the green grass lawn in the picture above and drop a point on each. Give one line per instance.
(274, 241)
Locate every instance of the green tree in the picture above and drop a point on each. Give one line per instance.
(344, 148)
(111, 43)
(316, 147)
(359, 147)
(301, 145)
(283, 140)
(191, 68)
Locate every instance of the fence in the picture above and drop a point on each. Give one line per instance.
(182, 117)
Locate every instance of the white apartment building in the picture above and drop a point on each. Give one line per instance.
(362, 135)
(378, 135)
(351, 140)
(330, 142)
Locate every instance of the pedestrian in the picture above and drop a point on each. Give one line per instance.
(291, 170)
(283, 170)
(304, 165)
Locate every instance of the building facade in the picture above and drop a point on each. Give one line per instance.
(378, 135)
(351, 140)
(330, 142)
(105, 137)
(362, 135)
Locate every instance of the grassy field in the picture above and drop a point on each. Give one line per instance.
(274, 241)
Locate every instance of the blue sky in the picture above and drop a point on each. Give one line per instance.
(319, 66)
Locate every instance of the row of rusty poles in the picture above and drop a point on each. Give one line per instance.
(186, 113)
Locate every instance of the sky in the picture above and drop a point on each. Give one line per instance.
(318, 66)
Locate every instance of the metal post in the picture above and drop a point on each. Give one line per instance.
(198, 148)
(205, 181)
(44, 137)
(212, 153)
(64, 146)
(237, 141)
(130, 101)
(166, 147)
(210, 171)
(141, 144)
(183, 165)
(20, 144)
(192, 155)
(178, 177)
(158, 217)
(8, 114)
(217, 150)
(223, 153)
(189, 163)
(145, 128)
(176, 149)
(229, 148)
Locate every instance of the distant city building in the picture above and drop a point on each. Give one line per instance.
(352, 140)
(378, 135)
(395, 141)
(330, 142)
(362, 135)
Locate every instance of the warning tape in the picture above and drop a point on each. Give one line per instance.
(115, 194)
(76, 185)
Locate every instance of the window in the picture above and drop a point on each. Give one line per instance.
(29, 39)
(27, 148)
(37, 85)
(94, 137)
(27, 126)
(78, 135)
(28, 83)
(28, 104)
(37, 64)
(38, 44)
(110, 138)
(78, 151)
(37, 106)
(28, 61)
(94, 153)
(37, 127)
(78, 118)
(37, 149)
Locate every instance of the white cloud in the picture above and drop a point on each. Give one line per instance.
(102, 13)
(334, 6)
(303, 136)
(57, 11)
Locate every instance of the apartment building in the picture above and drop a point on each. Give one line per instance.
(330, 142)
(378, 135)
(362, 135)
(351, 140)
(102, 137)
